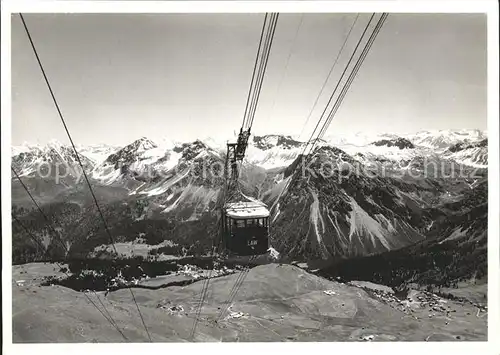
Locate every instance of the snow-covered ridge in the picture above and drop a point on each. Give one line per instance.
(268, 151)
(442, 139)
(31, 158)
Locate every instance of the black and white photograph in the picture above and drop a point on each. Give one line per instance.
(250, 176)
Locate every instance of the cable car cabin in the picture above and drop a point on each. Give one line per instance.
(246, 228)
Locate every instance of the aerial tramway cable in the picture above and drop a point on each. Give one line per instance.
(344, 90)
(263, 65)
(338, 83)
(109, 318)
(262, 69)
(287, 63)
(243, 275)
(328, 76)
(254, 70)
(351, 78)
(253, 98)
(301, 155)
(261, 60)
(234, 290)
(79, 161)
(49, 223)
(346, 86)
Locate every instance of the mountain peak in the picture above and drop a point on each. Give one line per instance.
(54, 144)
(144, 144)
(192, 150)
(131, 152)
(274, 140)
(401, 143)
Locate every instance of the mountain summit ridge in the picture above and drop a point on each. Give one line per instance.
(275, 150)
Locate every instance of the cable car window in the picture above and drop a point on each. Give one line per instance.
(239, 223)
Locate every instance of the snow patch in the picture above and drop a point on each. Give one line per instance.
(361, 223)
(316, 216)
(457, 234)
(165, 186)
(170, 196)
(384, 221)
(106, 175)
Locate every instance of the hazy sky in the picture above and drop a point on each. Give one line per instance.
(118, 77)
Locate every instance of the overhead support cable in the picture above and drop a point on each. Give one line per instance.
(260, 77)
(39, 244)
(77, 157)
(338, 83)
(351, 78)
(255, 88)
(262, 69)
(329, 74)
(301, 155)
(254, 71)
(234, 290)
(287, 63)
(261, 61)
(49, 223)
(334, 109)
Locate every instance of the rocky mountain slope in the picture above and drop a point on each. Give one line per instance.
(340, 210)
(408, 213)
(369, 195)
(454, 251)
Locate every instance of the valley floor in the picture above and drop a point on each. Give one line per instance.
(275, 303)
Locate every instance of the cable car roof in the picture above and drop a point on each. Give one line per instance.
(250, 209)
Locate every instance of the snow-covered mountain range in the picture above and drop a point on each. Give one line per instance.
(272, 151)
(148, 183)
